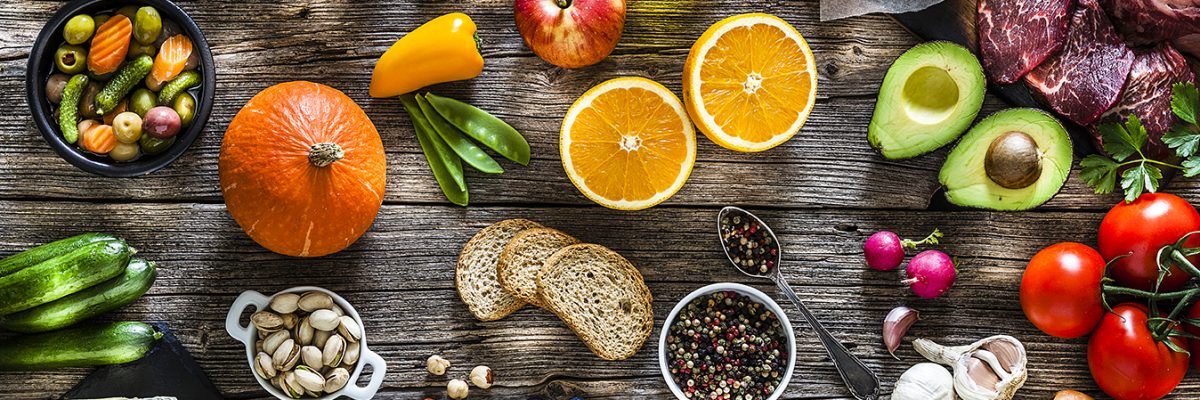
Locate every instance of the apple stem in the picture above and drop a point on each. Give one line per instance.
(563, 4)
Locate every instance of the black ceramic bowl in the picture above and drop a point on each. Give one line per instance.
(41, 65)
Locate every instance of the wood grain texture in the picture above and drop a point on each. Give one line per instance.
(400, 278)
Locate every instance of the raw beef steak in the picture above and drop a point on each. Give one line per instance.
(1151, 21)
(1017, 35)
(1148, 94)
(1084, 79)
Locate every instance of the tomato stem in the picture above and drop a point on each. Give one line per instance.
(1181, 260)
(1164, 327)
(1112, 289)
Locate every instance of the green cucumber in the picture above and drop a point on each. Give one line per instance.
(185, 81)
(68, 112)
(83, 346)
(60, 276)
(121, 84)
(19, 261)
(110, 295)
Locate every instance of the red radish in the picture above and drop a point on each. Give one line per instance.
(930, 274)
(884, 250)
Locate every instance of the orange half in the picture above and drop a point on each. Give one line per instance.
(627, 144)
(750, 82)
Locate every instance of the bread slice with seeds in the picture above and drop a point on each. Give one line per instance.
(601, 296)
(523, 258)
(475, 276)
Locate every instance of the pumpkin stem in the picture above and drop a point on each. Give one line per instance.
(323, 154)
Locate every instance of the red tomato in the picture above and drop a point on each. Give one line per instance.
(1127, 362)
(1060, 290)
(1143, 227)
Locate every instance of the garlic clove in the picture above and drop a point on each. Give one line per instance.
(895, 325)
(981, 374)
(1006, 352)
(924, 381)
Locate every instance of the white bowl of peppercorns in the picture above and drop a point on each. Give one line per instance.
(727, 341)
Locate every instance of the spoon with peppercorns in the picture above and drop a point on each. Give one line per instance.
(751, 246)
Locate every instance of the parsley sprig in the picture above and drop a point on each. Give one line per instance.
(1125, 143)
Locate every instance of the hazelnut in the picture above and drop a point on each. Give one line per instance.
(457, 389)
(481, 376)
(437, 365)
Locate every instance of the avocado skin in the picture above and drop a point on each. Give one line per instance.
(967, 183)
(900, 128)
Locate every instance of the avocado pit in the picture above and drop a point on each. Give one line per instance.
(1013, 160)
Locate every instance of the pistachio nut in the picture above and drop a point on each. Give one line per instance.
(336, 379)
(263, 365)
(272, 342)
(335, 349)
(267, 321)
(311, 356)
(309, 379)
(349, 329)
(323, 320)
(289, 321)
(351, 356)
(292, 386)
(285, 303)
(286, 356)
(304, 333)
(319, 338)
(313, 301)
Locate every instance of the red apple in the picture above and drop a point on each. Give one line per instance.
(571, 33)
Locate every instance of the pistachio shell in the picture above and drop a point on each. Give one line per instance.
(304, 333)
(323, 320)
(289, 320)
(309, 379)
(313, 301)
(320, 337)
(272, 342)
(351, 356)
(263, 365)
(286, 355)
(335, 349)
(267, 321)
(311, 356)
(336, 379)
(285, 303)
(337, 310)
(349, 329)
(293, 387)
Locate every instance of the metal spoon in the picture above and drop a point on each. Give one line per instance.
(862, 382)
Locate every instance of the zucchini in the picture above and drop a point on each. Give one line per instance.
(60, 276)
(50, 250)
(83, 346)
(110, 295)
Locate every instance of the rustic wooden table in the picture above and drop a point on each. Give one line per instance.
(823, 192)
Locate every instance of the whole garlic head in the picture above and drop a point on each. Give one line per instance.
(924, 381)
(989, 369)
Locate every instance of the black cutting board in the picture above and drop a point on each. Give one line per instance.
(167, 370)
(954, 21)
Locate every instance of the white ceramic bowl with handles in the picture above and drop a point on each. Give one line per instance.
(755, 295)
(249, 334)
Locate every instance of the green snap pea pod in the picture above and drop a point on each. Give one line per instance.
(69, 111)
(184, 81)
(446, 166)
(484, 127)
(128, 77)
(453, 137)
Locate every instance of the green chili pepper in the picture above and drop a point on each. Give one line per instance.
(69, 111)
(484, 127)
(453, 137)
(446, 166)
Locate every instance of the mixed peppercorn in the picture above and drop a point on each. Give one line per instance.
(751, 247)
(725, 345)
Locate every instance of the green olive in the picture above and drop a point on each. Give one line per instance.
(185, 106)
(101, 19)
(125, 152)
(137, 50)
(79, 29)
(152, 145)
(70, 59)
(142, 100)
(129, 11)
(147, 25)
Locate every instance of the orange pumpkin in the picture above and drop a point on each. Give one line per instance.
(302, 169)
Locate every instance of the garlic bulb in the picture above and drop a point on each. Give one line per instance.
(924, 381)
(989, 369)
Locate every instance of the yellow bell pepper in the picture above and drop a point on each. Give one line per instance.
(444, 49)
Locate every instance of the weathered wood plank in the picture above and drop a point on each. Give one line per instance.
(400, 277)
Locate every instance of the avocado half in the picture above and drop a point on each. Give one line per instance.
(1015, 159)
(929, 97)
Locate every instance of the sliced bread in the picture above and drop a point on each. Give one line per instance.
(601, 296)
(475, 276)
(523, 258)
